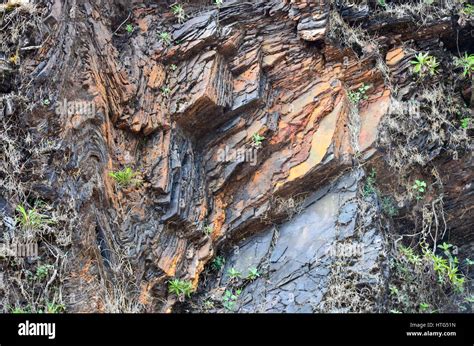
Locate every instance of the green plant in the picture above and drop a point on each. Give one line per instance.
(173, 67)
(420, 188)
(53, 308)
(31, 219)
(465, 122)
(253, 274)
(393, 290)
(217, 263)
(14, 59)
(424, 281)
(234, 273)
(165, 38)
(46, 102)
(445, 247)
(382, 3)
(410, 255)
(42, 271)
(208, 229)
(229, 300)
(447, 269)
(126, 177)
(20, 310)
(180, 288)
(468, 9)
(389, 207)
(466, 63)
(358, 95)
(424, 64)
(369, 186)
(129, 28)
(208, 304)
(257, 140)
(178, 11)
(424, 306)
(218, 3)
(165, 91)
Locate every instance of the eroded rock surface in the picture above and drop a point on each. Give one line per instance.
(299, 256)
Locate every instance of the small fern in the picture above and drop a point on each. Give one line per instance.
(126, 177)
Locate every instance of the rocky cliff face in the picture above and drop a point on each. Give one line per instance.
(277, 145)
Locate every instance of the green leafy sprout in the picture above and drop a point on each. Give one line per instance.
(42, 271)
(180, 288)
(31, 218)
(466, 62)
(420, 188)
(410, 255)
(253, 274)
(445, 247)
(369, 186)
(129, 28)
(229, 300)
(165, 91)
(389, 207)
(393, 290)
(257, 140)
(468, 9)
(53, 308)
(208, 229)
(447, 268)
(178, 11)
(234, 273)
(165, 37)
(424, 306)
(208, 304)
(358, 95)
(217, 263)
(412, 267)
(126, 177)
(20, 310)
(465, 122)
(424, 64)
